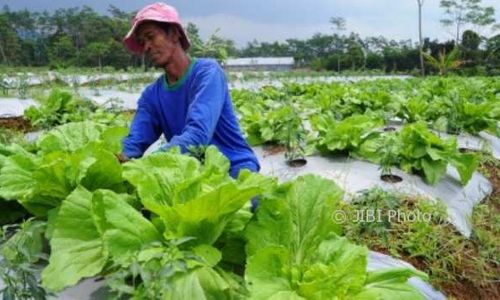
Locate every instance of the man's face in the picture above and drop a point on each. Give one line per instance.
(157, 44)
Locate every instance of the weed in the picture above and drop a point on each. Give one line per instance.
(22, 251)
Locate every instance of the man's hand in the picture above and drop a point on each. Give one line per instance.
(122, 157)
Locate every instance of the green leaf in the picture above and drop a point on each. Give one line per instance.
(77, 251)
(210, 255)
(424, 151)
(69, 137)
(294, 251)
(193, 200)
(124, 230)
(391, 284)
(336, 269)
(41, 183)
(103, 170)
(466, 164)
(349, 133)
(268, 272)
(202, 283)
(112, 138)
(206, 216)
(16, 176)
(26, 245)
(57, 176)
(19, 181)
(157, 176)
(215, 161)
(433, 170)
(287, 219)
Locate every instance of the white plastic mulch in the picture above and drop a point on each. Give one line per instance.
(355, 176)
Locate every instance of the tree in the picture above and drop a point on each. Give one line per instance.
(445, 62)
(9, 42)
(422, 67)
(97, 49)
(391, 58)
(62, 54)
(470, 51)
(298, 49)
(459, 13)
(374, 61)
(376, 44)
(320, 45)
(117, 56)
(470, 41)
(193, 34)
(338, 25)
(434, 47)
(492, 60)
(355, 56)
(215, 46)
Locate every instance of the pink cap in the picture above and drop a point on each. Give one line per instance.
(159, 12)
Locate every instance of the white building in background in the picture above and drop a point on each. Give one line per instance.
(259, 64)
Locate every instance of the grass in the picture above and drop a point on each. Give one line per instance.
(462, 268)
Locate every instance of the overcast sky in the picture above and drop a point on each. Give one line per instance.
(277, 20)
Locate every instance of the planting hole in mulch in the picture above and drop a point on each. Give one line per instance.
(467, 150)
(296, 163)
(391, 178)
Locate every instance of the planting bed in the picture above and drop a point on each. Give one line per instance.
(323, 152)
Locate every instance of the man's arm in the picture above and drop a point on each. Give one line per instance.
(144, 131)
(204, 111)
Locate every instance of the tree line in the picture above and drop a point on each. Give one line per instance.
(82, 37)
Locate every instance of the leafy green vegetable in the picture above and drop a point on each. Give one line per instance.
(192, 201)
(21, 247)
(70, 155)
(294, 250)
(176, 241)
(59, 108)
(72, 136)
(123, 228)
(77, 249)
(421, 150)
(346, 135)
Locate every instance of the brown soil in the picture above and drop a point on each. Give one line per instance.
(414, 261)
(273, 149)
(463, 289)
(466, 290)
(493, 173)
(491, 170)
(16, 123)
(460, 290)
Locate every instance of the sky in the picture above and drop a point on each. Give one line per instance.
(278, 20)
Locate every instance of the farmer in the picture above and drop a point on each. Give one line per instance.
(190, 104)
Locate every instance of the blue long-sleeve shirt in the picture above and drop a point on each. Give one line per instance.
(196, 110)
